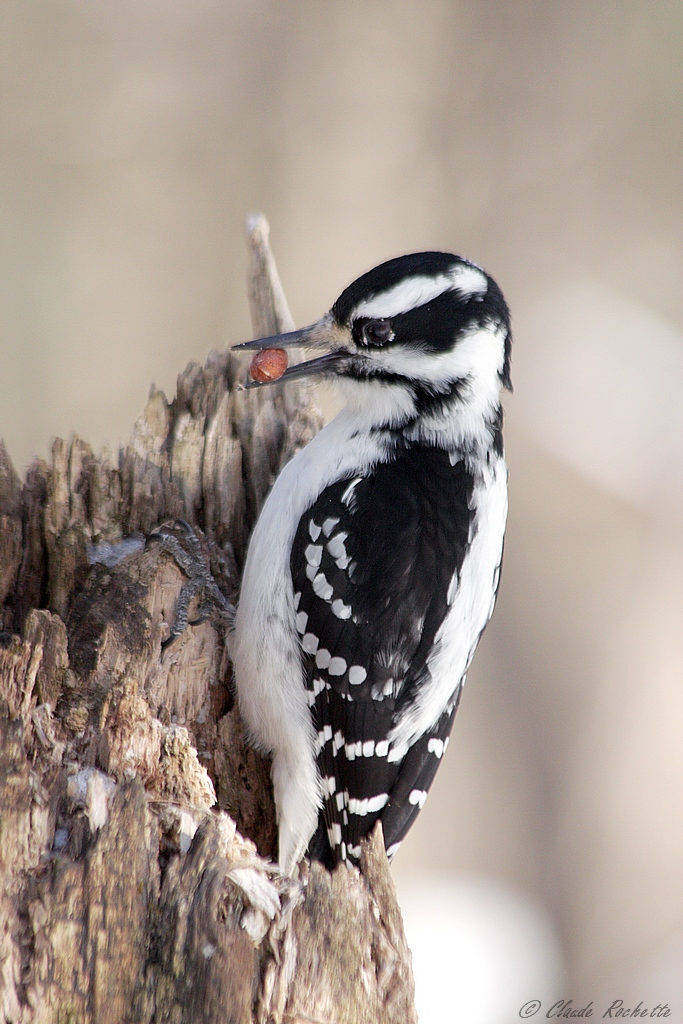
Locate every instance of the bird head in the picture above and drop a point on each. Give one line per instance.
(412, 336)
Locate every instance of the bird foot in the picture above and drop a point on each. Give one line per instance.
(179, 539)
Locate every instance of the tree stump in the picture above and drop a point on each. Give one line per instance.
(137, 827)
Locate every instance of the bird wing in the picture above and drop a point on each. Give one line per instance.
(373, 562)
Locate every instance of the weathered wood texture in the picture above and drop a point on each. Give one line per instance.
(136, 825)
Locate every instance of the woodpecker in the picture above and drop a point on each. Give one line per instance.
(374, 565)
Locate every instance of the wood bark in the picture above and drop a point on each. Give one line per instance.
(137, 827)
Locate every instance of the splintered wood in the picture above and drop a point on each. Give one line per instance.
(137, 827)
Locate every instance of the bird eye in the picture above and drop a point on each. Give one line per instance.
(377, 332)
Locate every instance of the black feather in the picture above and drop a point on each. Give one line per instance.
(399, 535)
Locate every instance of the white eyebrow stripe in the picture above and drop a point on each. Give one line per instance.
(470, 280)
(418, 290)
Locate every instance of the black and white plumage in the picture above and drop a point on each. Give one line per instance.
(374, 565)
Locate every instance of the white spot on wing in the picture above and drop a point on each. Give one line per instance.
(313, 530)
(337, 667)
(334, 834)
(314, 554)
(321, 587)
(329, 525)
(353, 750)
(301, 620)
(368, 748)
(318, 686)
(357, 675)
(341, 610)
(323, 658)
(417, 797)
(335, 545)
(368, 805)
(310, 643)
(435, 747)
(323, 737)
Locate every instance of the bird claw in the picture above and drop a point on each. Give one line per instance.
(186, 551)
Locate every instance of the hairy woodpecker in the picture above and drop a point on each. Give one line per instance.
(373, 568)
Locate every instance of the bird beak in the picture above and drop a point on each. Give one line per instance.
(323, 334)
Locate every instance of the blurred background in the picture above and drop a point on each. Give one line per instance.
(540, 138)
